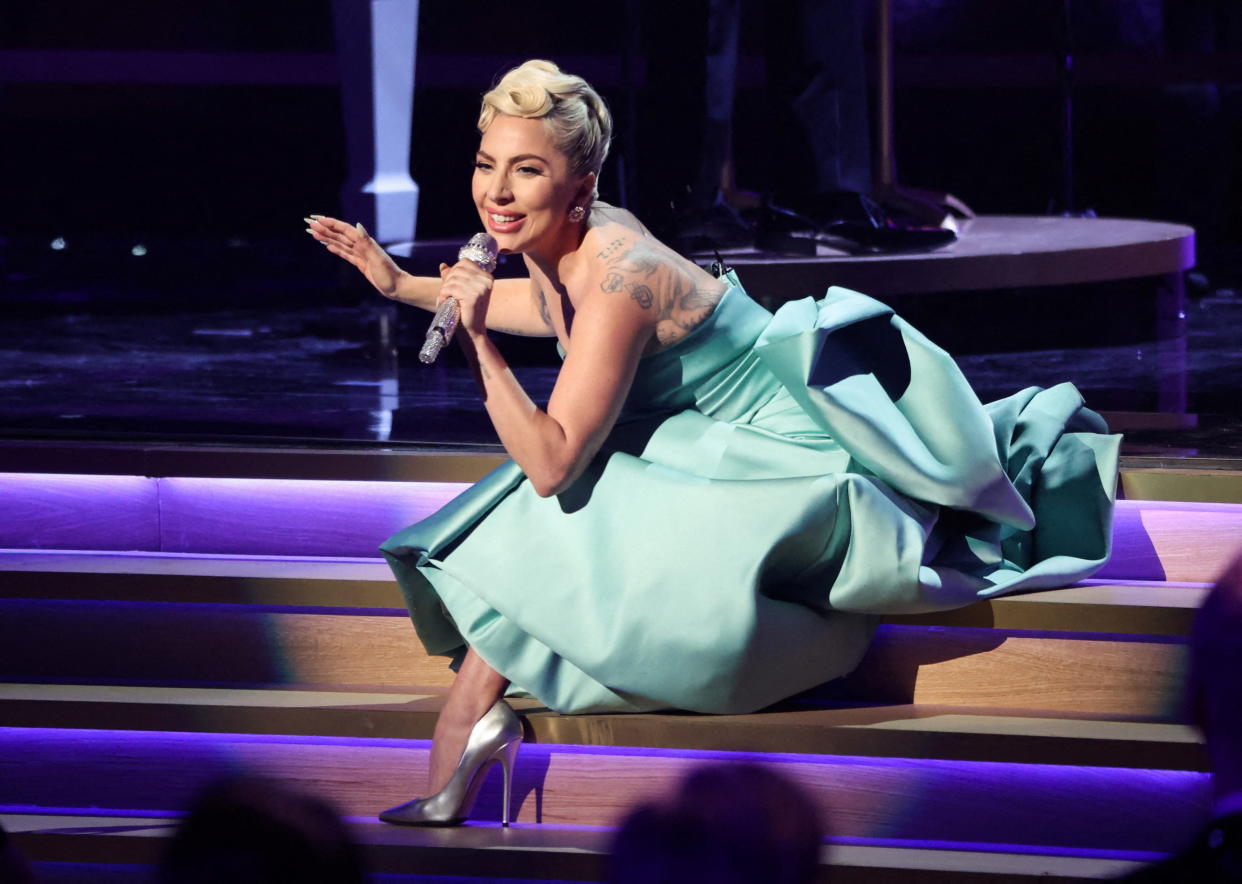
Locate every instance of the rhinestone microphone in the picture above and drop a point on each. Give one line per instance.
(482, 251)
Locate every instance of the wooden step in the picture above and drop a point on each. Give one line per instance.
(549, 852)
(71, 641)
(985, 667)
(1171, 541)
(1153, 540)
(1220, 485)
(208, 579)
(865, 797)
(908, 731)
(1139, 607)
(1103, 647)
(140, 643)
(1142, 477)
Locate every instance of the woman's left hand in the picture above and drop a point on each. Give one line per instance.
(471, 285)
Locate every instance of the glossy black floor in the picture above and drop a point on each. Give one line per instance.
(232, 341)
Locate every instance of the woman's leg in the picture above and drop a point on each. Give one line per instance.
(474, 691)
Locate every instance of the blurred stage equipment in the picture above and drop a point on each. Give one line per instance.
(376, 42)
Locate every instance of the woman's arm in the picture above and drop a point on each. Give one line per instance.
(553, 447)
(610, 331)
(518, 307)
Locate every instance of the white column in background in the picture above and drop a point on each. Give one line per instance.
(376, 44)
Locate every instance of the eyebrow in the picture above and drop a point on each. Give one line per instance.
(516, 159)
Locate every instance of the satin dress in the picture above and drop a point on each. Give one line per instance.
(774, 482)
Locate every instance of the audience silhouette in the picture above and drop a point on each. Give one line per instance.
(251, 830)
(1214, 694)
(728, 824)
(13, 866)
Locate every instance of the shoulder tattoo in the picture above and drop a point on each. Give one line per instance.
(680, 305)
(633, 271)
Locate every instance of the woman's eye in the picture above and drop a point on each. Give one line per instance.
(529, 170)
(482, 166)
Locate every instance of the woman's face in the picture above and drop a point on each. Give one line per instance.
(523, 187)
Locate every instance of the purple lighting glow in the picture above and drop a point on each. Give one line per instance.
(311, 517)
(295, 517)
(910, 799)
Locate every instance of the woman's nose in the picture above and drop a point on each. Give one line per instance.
(499, 190)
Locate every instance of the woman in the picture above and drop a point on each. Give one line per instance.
(716, 500)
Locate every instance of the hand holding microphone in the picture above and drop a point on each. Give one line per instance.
(481, 249)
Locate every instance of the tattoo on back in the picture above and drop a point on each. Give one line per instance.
(642, 295)
(611, 249)
(651, 282)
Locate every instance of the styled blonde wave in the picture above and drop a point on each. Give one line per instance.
(577, 118)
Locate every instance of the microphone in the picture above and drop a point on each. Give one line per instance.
(482, 251)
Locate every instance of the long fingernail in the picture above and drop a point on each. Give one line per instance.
(361, 229)
(316, 217)
(310, 219)
(311, 232)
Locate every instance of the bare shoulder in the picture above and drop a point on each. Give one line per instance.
(603, 213)
(674, 295)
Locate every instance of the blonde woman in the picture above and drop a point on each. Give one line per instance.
(715, 501)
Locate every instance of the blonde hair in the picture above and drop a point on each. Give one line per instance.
(576, 117)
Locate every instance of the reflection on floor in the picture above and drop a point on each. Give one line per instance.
(215, 343)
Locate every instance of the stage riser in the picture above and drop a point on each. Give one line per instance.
(405, 856)
(157, 643)
(873, 798)
(1152, 540)
(107, 873)
(944, 733)
(1135, 608)
(91, 873)
(980, 667)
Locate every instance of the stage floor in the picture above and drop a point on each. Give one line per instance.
(273, 343)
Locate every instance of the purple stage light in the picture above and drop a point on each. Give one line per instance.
(293, 517)
(911, 799)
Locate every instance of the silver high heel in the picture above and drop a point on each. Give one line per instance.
(495, 737)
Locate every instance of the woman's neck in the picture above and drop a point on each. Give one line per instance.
(560, 260)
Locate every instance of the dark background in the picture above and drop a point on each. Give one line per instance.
(246, 139)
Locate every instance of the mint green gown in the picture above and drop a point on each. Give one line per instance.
(774, 482)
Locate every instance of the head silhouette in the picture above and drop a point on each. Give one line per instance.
(727, 824)
(1216, 677)
(250, 830)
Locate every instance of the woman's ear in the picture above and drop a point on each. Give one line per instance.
(585, 193)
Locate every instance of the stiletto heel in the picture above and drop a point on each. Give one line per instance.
(508, 758)
(495, 737)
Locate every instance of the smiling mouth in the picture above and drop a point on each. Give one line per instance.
(504, 219)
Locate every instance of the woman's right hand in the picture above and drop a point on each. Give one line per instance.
(357, 247)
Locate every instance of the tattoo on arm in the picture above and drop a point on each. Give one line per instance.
(541, 303)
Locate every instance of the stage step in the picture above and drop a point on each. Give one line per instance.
(914, 799)
(1143, 477)
(137, 677)
(1122, 655)
(1098, 605)
(1152, 540)
(545, 852)
(907, 731)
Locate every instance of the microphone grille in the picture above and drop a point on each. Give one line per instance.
(481, 249)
